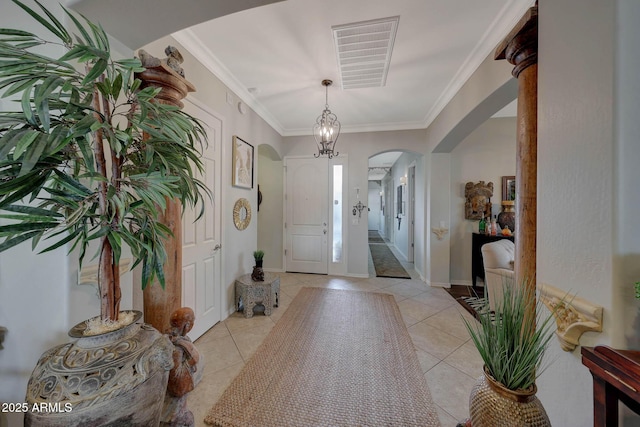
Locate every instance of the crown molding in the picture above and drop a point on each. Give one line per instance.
(501, 25)
(197, 48)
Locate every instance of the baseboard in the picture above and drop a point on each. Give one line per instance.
(273, 270)
(358, 276)
(438, 284)
(479, 283)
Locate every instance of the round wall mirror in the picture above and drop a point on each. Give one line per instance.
(241, 214)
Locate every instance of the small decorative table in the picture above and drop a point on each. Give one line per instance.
(252, 293)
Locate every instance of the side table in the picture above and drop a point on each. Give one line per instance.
(252, 293)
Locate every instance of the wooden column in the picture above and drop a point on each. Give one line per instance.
(520, 48)
(160, 303)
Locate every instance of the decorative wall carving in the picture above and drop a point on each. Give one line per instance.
(574, 315)
(478, 200)
(439, 232)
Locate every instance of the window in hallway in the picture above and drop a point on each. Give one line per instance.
(337, 214)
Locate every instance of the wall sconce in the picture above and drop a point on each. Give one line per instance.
(403, 180)
(3, 331)
(358, 209)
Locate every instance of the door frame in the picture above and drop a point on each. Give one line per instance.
(221, 295)
(332, 268)
(411, 214)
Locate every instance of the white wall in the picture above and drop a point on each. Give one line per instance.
(270, 217)
(438, 211)
(359, 147)
(587, 126)
(375, 209)
(400, 170)
(627, 200)
(487, 154)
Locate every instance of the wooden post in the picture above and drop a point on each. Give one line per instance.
(520, 48)
(160, 303)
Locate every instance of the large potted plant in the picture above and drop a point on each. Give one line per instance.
(512, 341)
(88, 160)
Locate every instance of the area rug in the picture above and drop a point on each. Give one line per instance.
(470, 298)
(386, 264)
(335, 358)
(374, 237)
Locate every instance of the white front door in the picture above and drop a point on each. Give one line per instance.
(201, 244)
(307, 214)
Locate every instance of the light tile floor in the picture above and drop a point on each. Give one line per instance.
(448, 358)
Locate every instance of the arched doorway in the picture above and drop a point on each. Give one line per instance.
(392, 201)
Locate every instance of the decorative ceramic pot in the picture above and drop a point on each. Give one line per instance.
(116, 378)
(507, 218)
(493, 405)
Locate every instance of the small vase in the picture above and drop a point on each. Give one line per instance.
(115, 378)
(258, 273)
(507, 218)
(493, 405)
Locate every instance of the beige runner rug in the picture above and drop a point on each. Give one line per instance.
(335, 358)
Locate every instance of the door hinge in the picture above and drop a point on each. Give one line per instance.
(285, 225)
(285, 252)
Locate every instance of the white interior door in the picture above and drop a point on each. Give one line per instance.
(307, 215)
(201, 254)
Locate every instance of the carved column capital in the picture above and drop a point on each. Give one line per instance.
(520, 47)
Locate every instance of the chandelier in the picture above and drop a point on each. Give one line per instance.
(326, 128)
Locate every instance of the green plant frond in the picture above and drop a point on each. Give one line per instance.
(13, 32)
(56, 28)
(512, 344)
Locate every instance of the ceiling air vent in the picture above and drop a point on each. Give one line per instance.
(364, 51)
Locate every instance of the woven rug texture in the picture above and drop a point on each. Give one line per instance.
(386, 264)
(335, 358)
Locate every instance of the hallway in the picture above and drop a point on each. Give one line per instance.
(448, 358)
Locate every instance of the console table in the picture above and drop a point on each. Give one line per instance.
(251, 293)
(477, 240)
(616, 376)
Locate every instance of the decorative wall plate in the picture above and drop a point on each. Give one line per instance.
(242, 214)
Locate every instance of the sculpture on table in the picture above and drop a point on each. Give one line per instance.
(173, 59)
(478, 200)
(186, 372)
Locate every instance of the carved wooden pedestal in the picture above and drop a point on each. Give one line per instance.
(160, 303)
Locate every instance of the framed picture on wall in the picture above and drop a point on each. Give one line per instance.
(508, 188)
(399, 199)
(242, 168)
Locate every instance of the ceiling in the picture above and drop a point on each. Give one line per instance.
(274, 58)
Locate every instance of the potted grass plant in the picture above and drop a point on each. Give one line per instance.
(258, 273)
(512, 341)
(88, 159)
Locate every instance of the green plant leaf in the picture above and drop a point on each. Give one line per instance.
(12, 32)
(97, 69)
(64, 35)
(25, 141)
(41, 20)
(32, 154)
(9, 243)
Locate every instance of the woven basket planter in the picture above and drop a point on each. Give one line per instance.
(493, 405)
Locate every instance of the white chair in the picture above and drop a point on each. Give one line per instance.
(498, 258)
